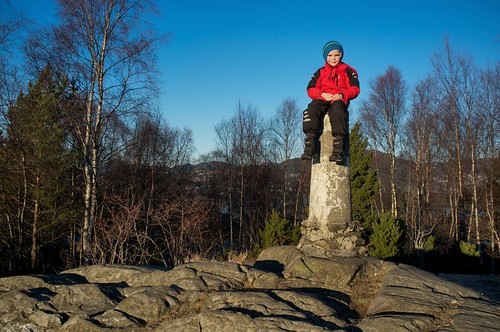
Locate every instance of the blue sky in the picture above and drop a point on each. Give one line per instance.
(261, 52)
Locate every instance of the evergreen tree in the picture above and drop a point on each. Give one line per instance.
(364, 183)
(278, 231)
(36, 145)
(386, 239)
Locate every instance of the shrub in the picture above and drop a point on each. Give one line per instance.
(364, 181)
(469, 249)
(295, 235)
(277, 232)
(430, 243)
(385, 241)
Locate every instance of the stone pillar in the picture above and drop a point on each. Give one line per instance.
(329, 230)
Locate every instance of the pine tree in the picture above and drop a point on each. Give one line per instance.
(364, 183)
(387, 236)
(278, 231)
(37, 140)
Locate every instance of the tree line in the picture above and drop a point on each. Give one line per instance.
(90, 172)
(440, 142)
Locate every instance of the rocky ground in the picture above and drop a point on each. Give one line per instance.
(283, 291)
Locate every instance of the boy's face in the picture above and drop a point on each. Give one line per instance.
(334, 58)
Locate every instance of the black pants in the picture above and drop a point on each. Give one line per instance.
(316, 111)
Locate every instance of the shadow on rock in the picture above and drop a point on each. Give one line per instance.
(270, 266)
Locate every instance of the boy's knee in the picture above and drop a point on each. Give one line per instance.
(338, 106)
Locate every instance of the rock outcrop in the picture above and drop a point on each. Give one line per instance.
(283, 291)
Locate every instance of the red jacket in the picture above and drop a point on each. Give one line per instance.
(339, 79)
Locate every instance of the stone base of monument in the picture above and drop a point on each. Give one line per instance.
(329, 230)
(345, 241)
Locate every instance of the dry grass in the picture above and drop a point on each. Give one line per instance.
(196, 258)
(238, 257)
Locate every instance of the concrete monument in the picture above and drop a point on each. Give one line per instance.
(329, 230)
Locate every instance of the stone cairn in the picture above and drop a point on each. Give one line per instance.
(329, 230)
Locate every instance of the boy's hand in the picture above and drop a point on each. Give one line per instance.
(332, 97)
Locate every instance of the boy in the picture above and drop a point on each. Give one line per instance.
(330, 88)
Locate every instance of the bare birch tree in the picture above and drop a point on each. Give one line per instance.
(420, 148)
(109, 52)
(474, 124)
(489, 107)
(285, 131)
(224, 152)
(448, 78)
(241, 142)
(249, 127)
(382, 116)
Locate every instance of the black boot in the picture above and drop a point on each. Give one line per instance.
(338, 149)
(308, 148)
